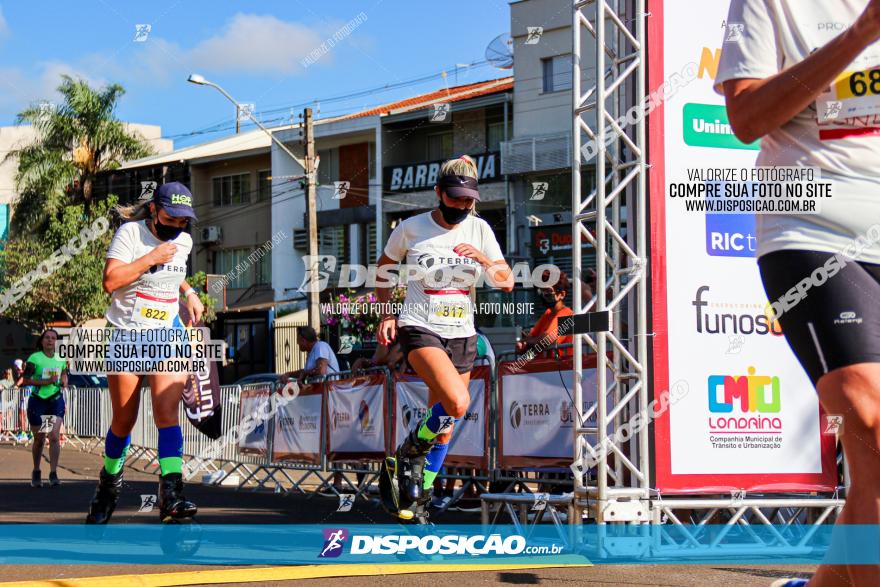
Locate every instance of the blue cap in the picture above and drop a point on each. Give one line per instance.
(175, 199)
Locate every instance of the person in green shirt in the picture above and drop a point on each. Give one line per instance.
(46, 407)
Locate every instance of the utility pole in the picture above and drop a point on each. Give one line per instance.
(237, 119)
(311, 211)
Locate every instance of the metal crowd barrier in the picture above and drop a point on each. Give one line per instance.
(261, 459)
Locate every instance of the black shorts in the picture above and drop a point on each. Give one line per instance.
(835, 324)
(38, 407)
(461, 351)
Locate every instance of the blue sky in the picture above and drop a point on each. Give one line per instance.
(253, 49)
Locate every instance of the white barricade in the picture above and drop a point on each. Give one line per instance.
(356, 415)
(298, 427)
(535, 412)
(469, 445)
(255, 400)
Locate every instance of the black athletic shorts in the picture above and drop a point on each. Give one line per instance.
(828, 326)
(38, 407)
(461, 351)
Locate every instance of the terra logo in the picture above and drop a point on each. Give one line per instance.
(750, 393)
(515, 415)
(334, 539)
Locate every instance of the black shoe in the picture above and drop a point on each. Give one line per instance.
(35, 479)
(173, 506)
(106, 497)
(411, 467)
(54, 481)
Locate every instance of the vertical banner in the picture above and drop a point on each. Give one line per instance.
(298, 426)
(201, 394)
(254, 400)
(746, 415)
(356, 412)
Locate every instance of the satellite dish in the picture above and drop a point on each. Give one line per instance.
(500, 51)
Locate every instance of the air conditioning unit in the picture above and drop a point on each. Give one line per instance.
(300, 239)
(211, 234)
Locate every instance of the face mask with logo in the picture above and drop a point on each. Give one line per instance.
(453, 215)
(166, 232)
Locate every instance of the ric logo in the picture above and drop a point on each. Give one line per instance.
(749, 393)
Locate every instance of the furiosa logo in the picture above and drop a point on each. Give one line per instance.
(742, 395)
(709, 322)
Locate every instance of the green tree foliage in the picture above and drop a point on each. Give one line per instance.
(75, 141)
(199, 283)
(73, 291)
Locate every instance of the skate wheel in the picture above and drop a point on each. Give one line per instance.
(405, 515)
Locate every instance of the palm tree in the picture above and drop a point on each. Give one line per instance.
(75, 141)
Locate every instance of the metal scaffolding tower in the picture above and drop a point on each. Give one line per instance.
(613, 218)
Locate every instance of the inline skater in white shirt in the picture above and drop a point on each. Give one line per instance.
(447, 249)
(145, 275)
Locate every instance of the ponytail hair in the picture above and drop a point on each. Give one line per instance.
(134, 212)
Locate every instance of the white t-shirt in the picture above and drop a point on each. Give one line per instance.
(151, 301)
(322, 350)
(776, 34)
(440, 302)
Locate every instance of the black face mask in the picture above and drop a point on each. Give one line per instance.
(453, 215)
(549, 300)
(166, 232)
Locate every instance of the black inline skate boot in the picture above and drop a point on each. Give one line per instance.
(106, 497)
(173, 506)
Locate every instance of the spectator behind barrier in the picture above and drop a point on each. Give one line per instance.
(389, 356)
(545, 333)
(321, 359)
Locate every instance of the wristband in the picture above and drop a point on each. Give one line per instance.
(189, 291)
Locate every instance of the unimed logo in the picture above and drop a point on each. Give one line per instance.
(707, 125)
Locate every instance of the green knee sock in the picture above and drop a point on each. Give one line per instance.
(171, 465)
(113, 466)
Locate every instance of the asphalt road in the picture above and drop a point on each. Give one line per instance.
(67, 504)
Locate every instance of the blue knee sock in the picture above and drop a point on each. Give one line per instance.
(436, 422)
(170, 450)
(433, 463)
(115, 449)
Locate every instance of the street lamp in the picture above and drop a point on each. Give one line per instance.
(309, 166)
(199, 80)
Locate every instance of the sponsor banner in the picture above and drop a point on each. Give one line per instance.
(298, 429)
(468, 445)
(254, 400)
(318, 543)
(356, 418)
(755, 421)
(536, 416)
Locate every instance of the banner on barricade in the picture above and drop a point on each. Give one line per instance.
(298, 425)
(469, 446)
(356, 418)
(254, 400)
(535, 412)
